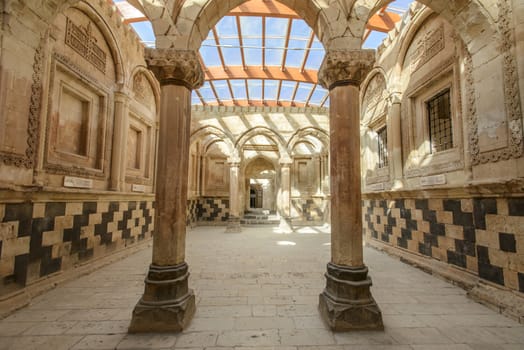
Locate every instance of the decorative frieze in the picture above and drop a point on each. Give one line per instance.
(345, 67)
(176, 67)
(82, 40)
(427, 48)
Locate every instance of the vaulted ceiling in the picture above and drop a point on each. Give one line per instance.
(260, 54)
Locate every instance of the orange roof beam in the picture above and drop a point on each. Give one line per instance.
(254, 72)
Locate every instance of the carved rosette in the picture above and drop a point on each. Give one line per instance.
(176, 67)
(345, 67)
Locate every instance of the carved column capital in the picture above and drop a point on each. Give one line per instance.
(175, 67)
(345, 67)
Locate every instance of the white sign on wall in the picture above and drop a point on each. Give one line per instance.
(77, 182)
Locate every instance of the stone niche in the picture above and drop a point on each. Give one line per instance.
(216, 170)
(430, 67)
(81, 85)
(141, 132)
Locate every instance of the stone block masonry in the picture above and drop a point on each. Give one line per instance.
(484, 236)
(207, 210)
(38, 239)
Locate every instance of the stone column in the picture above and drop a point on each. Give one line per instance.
(394, 134)
(317, 163)
(119, 152)
(346, 303)
(233, 225)
(168, 304)
(285, 195)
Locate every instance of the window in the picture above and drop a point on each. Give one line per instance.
(440, 129)
(382, 139)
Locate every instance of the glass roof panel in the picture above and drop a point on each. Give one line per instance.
(209, 53)
(239, 89)
(318, 96)
(227, 27)
(276, 27)
(316, 55)
(304, 89)
(286, 93)
(274, 56)
(231, 51)
(146, 33)
(271, 89)
(300, 29)
(207, 93)
(222, 90)
(195, 100)
(255, 89)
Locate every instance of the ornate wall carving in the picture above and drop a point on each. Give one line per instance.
(428, 47)
(515, 148)
(345, 67)
(81, 39)
(33, 126)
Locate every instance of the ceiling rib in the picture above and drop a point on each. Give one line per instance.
(307, 51)
(241, 42)
(288, 36)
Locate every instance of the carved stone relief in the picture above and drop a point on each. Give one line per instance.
(374, 103)
(427, 47)
(81, 39)
(142, 89)
(515, 148)
(33, 126)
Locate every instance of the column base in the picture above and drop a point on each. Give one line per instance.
(233, 225)
(168, 305)
(346, 304)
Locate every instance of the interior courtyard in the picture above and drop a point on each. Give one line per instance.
(261, 174)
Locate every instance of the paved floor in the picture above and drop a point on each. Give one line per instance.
(259, 290)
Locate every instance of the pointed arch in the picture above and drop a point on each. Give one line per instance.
(301, 135)
(216, 135)
(480, 22)
(264, 131)
(196, 18)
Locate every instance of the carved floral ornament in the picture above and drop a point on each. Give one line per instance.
(345, 67)
(176, 67)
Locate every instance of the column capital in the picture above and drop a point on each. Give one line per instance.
(285, 161)
(348, 67)
(233, 162)
(175, 67)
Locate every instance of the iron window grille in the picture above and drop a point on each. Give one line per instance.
(440, 126)
(382, 138)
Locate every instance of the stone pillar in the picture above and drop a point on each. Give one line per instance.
(394, 134)
(168, 304)
(317, 163)
(346, 303)
(285, 197)
(233, 225)
(119, 152)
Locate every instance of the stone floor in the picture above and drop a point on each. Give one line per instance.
(259, 290)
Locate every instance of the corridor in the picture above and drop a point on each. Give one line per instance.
(259, 290)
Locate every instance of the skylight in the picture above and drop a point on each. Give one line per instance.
(263, 58)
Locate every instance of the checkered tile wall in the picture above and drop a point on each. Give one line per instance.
(482, 235)
(39, 239)
(308, 209)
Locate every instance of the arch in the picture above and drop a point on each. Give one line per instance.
(376, 99)
(196, 18)
(150, 78)
(480, 22)
(216, 133)
(264, 131)
(301, 134)
(103, 26)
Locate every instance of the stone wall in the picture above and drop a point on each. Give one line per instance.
(207, 211)
(309, 209)
(40, 238)
(484, 236)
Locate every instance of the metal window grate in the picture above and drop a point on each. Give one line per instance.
(382, 137)
(440, 128)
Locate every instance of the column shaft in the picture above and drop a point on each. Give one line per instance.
(234, 198)
(172, 175)
(346, 207)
